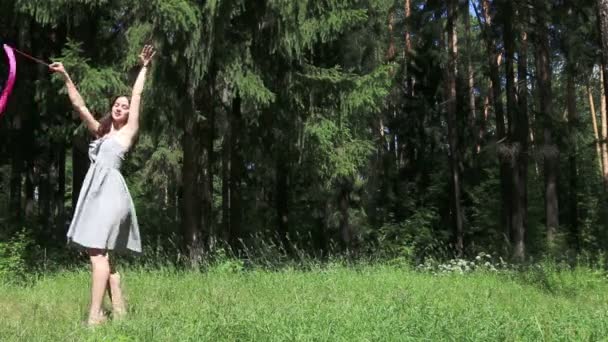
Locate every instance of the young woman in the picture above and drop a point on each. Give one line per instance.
(104, 218)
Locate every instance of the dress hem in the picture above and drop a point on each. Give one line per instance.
(105, 248)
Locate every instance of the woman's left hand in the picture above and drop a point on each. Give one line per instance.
(145, 57)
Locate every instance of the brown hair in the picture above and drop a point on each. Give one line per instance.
(105, 123)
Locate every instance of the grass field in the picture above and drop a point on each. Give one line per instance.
(366, 303)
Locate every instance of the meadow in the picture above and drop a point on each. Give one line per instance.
(327, 303)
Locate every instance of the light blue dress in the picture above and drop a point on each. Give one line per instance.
(104, 217)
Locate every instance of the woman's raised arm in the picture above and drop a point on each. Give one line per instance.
(77, 101)
(145, 57)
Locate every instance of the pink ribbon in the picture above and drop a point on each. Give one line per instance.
(12, 75)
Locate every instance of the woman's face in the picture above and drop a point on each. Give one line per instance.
(120, 110)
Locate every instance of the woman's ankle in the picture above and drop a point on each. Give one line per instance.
(96, 318)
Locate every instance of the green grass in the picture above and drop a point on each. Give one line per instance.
(367, 303)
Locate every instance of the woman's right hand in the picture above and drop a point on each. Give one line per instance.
(58, 67)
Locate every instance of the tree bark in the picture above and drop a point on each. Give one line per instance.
(191, 214)
(509, 146)
(346, 233)
(604, 123)
(16, 176)
(452, 126)
(494, 59)
(282, 198)
(44, 188)
(226, 185)
(408, 49)
(484, 121)
(603, 21)
(596, 133)
(408, 38)
(509, 56)
(550, 151)
(59, 191)
(470, 84)
(519, 140)
(207, 159)
(572, 162)
(236, 172)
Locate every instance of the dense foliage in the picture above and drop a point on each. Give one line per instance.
(371, 127)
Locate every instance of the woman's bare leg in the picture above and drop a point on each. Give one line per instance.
(100, 274)
(115, 292)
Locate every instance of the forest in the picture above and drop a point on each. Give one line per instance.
(286, 129)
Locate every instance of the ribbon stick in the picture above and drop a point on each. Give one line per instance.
(10, 82)
(39, 61)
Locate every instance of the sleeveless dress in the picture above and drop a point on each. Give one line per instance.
(104, 217)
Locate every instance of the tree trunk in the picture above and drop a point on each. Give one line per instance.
(282, 207)
(207, 160)
(509, 56)
(17, 152)
(191, 214)
(59, 190)
(531, 120)
(44, 189)
(572, 162)
(408, 38)
(520, 147)
(494, 58)
(226, 185)
(31, 197)
(603, 21)
(346, 234)
(323, 227)
(470, 84)
(604, 123)
(550, 150)
(452, 126)
(484, 121)
(408, 49)
(596, 133)
(509, 145)
(236, 173)
(16, 177)
(206, 179)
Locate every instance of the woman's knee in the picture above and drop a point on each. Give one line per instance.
(99, 258)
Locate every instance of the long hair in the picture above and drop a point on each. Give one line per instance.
(105, 123)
